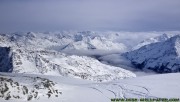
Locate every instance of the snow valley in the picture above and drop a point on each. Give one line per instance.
(72, 66)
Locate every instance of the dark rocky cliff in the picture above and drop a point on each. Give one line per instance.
(6, 63)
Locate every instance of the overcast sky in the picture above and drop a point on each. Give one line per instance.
(118, 15)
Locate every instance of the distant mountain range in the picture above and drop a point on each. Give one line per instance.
(34, 53)
(44, 53)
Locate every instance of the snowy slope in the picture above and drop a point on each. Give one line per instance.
(54, 63)
(160, 57)
(73, 90)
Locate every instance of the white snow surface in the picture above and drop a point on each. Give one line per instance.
(74, 90)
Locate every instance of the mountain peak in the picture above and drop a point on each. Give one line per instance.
(161, 56)
(163, 36)
(176, 44)
(31, 35)
(156, 39)
(175, 39)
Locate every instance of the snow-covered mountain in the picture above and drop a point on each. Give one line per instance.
(99, 43)
(34, 68)
(160, 38)
(161, 57)
(62, 41)
(55, 63)
(35, 50)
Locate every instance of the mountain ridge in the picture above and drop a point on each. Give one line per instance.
(161, 56)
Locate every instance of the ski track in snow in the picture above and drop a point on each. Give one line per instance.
(121, 90)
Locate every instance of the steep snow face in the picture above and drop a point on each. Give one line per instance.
(91, 69)
(160, 57)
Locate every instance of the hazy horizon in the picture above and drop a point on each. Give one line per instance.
(98, 15)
